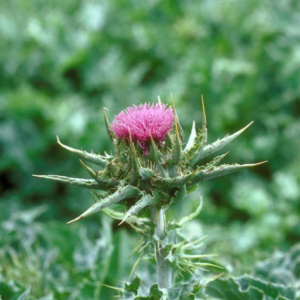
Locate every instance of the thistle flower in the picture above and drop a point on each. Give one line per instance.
(143, 122)
(147, 183)
(163, 175)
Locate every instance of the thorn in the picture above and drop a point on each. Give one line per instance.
(173, 106)
(204, 122)
(259, 163)
(90, 170)
(247, 126)
(203, 107)
(159, 101)
(112, 287)
(94, 197)
(72, 221)
(107, 125)
(175, 114)
(61, 144)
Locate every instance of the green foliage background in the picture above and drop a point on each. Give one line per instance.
(62, 61)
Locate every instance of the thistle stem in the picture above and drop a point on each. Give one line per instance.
(163, 266)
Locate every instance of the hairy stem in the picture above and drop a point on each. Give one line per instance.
(163, 266)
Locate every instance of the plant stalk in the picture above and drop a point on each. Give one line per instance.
(163, 266)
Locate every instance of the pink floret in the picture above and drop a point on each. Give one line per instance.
(143, 121)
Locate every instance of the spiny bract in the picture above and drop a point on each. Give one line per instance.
(150, 167)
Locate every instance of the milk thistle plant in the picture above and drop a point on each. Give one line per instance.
(150, 171)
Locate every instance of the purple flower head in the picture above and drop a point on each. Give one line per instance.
(142, 122)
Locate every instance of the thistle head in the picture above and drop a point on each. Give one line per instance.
(150, 166)
(144, 122)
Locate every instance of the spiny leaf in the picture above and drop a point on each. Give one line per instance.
(192, 138)
(173, 182)
(121, 194)
(154, 294)
(146, 200)
(200, 175)
(193, 154)
(86, 183)
(179, 196)
(230, 290)
(249, 288)
(94, 158)
(120, 216)
(222, 170)
(195, 149)
(95, 175)
(193, 214)
(188, 291)
(215, 161)
(134, 285)
(219, 144)
(146, 173)
(160, 198)
(101, 194)
(270, 289)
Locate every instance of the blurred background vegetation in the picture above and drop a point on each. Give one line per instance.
(62, 61)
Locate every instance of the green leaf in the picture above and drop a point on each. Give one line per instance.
(194, 152)
(134, 285)
(219, 144)
(146, 200)
(178, 197)
(248, 287)
(193, 214)
(270, 289)
(229, 289)
(222, 170)
(154, 294)
(98, 176)
(192, 138)
(85, 183)
(121, 194)
(94, 158)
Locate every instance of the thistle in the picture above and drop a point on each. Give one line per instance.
(149, 172)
